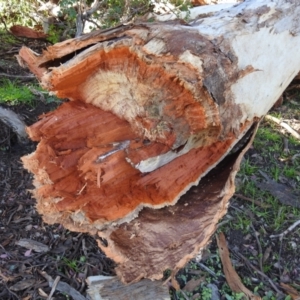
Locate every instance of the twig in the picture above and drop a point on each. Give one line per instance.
(252, 200)
(286, 145)
(37, 93)
(281, 235)
(279, 259)
(63, 287)
(84, 247)
(295, 156)
(18, 76)
(10, 291)
(229, 219)
(83, 15)
(83, 284)
(205, 268)
(287, 127)
(274, 286)
(55, 283)
(81, 190)
(9, 52)
(259, 248)
(184, 295)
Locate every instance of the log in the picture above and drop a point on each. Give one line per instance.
(156, 108)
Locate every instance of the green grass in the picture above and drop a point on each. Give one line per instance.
(271, 217)
(247, 168)
(13, 92)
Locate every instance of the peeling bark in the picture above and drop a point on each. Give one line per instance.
(154, 108)
(23, 31)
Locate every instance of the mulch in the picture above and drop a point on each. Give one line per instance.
(72, 256)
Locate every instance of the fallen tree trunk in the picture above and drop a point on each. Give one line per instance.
(154, 108)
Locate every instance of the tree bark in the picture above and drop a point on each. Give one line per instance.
(12, 120)
(155, 107)
(107, 287)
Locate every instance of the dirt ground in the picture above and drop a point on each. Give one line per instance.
(75, 256)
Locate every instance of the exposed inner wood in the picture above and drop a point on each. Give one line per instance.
(155, 240)
(80, 166)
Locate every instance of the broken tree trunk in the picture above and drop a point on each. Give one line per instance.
(154, 108)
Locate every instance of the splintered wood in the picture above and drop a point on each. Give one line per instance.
(82, 169)
(154, 109)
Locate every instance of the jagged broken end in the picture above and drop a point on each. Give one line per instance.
(82, 175)
(171, 236)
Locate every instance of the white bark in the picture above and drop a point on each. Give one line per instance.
(108, 287)
(14, 121)
(194, 13)
(257, 34)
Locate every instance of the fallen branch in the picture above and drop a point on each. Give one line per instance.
(63, 287)
(24, 77)
(12, 120)
(54, 285)
(208, 270)
(262, 274)
(108, 287)
(263, 205)
(287, 127)
(232, 278)
(281, 235)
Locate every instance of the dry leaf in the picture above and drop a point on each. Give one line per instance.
(34, 245)
(192, 284)
(267, 254)
(291, 291)
(28, 253)
(22, 285)
(232, 278)
(42, 293)
(6, 278)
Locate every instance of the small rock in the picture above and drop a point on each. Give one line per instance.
(215, 295)
(28, 227)
(277, 265)
(293, 245)
(285, 278)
